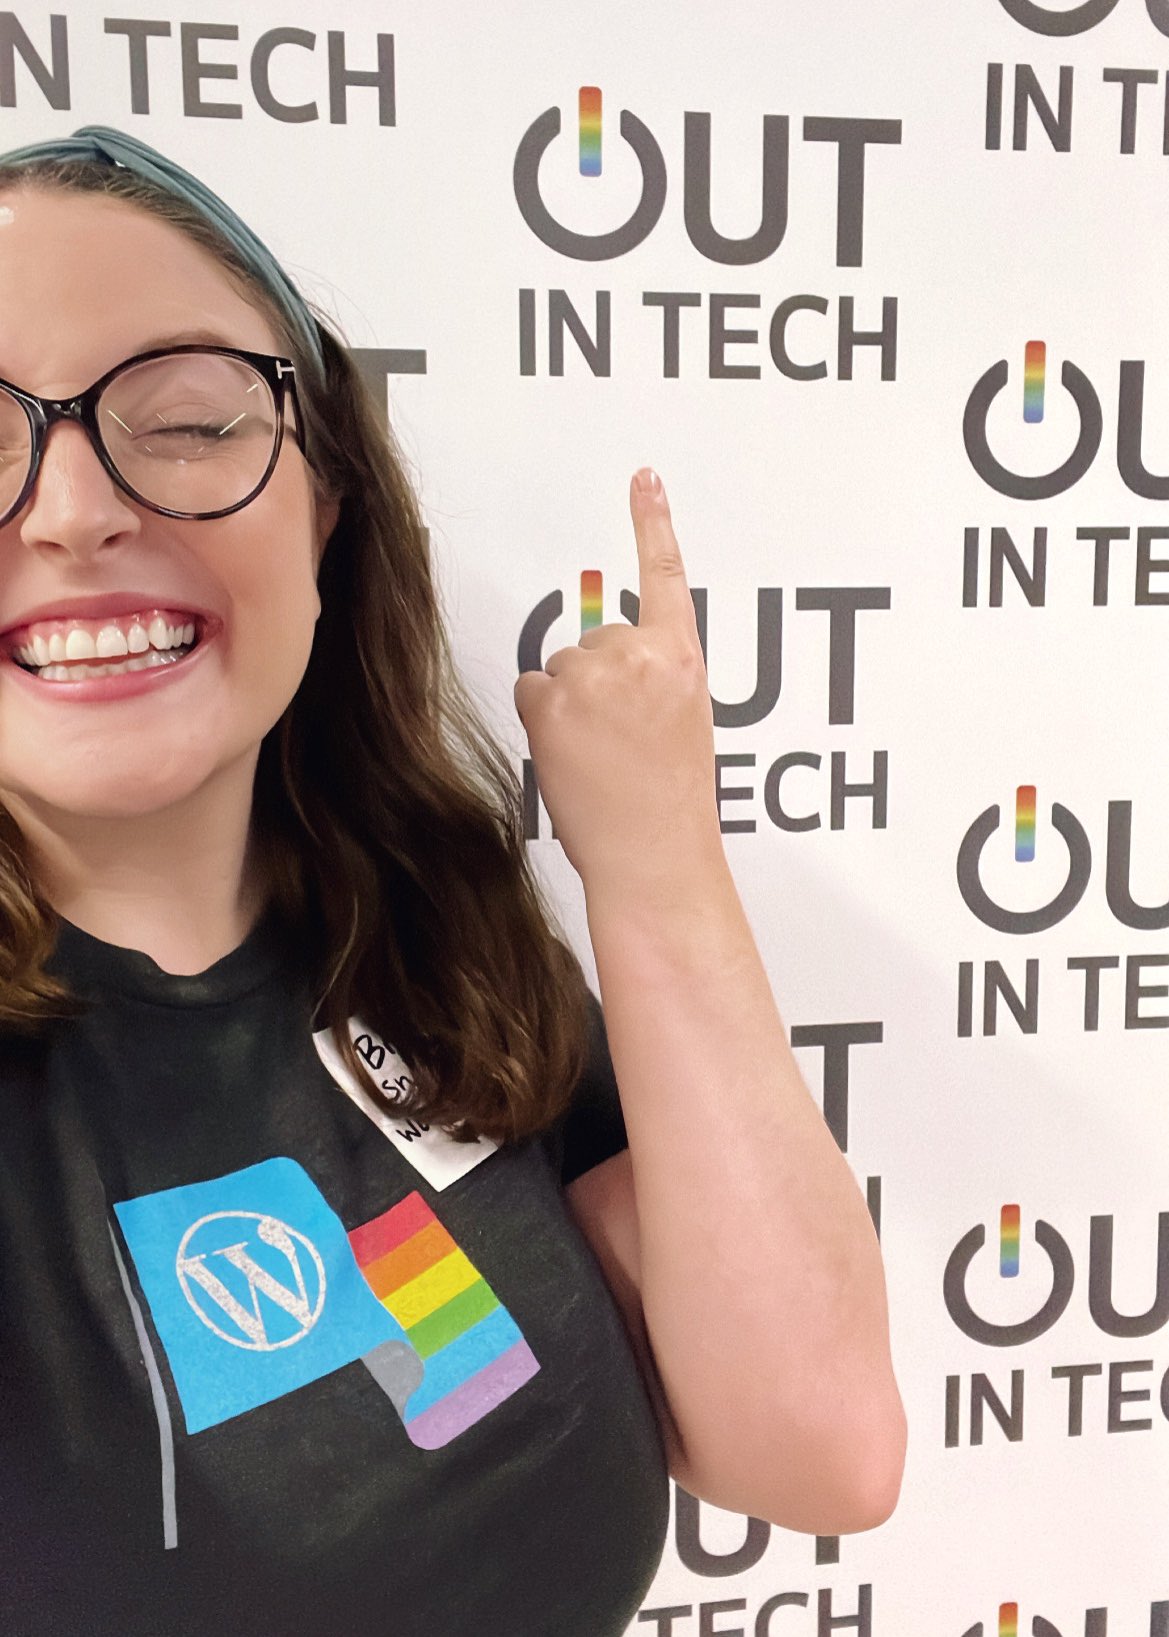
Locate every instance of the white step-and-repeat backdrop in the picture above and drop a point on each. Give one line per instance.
(881, 291)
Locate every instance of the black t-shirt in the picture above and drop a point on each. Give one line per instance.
(273, 1363)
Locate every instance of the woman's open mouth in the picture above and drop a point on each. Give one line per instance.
(77, 650)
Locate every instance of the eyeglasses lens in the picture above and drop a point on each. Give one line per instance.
(193, 432)
(15, 450)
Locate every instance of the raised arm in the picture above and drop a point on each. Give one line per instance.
(733, 1230)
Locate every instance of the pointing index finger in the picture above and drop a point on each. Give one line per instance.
(663, 592)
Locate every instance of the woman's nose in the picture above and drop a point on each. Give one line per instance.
(75, 506)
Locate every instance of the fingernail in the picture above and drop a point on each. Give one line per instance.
(647, 482)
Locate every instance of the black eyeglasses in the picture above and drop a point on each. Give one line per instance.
(192, 432)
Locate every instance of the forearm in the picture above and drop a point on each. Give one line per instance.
(761, 1277)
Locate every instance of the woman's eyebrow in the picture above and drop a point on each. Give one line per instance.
(182, 338)
(200, 336)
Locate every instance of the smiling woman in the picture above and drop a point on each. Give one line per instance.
(347, 1282)
(311, 678)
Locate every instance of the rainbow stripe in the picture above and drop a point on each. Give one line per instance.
(591, 594)
(472, 1348)
(1034, 380)
(590, 130)
(1025, 824)
(1009, 1248)
(1008, 1620)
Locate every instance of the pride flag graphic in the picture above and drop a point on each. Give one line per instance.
(473, 1352)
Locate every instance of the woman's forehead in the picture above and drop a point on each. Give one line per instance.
(86, 280)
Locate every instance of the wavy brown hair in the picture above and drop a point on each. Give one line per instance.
(388, 817)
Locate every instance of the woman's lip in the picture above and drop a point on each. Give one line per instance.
(107, 605)
(101, 689)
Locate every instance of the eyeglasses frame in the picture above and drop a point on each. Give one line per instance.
(279, 374)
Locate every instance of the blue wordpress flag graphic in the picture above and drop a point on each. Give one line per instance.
(253, 1288)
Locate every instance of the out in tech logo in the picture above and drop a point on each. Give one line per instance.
(981, 411)
(1008, 1625)
(1050, 1279)
(534, 143)
(978, 407)
(974, 842)
(1063, 21)
(1118, 868)
(1095, 1624)
(530, 650)
(954, 1282)
(764, 697)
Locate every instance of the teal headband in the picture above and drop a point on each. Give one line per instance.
(102, 143)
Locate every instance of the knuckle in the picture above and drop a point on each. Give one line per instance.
(691, 663)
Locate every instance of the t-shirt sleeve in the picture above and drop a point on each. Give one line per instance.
(593, 1129)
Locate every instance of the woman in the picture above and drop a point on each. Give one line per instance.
(322, 1325)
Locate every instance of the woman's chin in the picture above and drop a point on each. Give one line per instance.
(128, 792)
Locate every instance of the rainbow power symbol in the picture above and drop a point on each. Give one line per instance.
(1008, 1620)
(1025, 824)
(590, 130)
(1034, 379)
(1009, 1259)
(591, 584)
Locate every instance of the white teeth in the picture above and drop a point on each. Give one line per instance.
(154, 641)
(111, 643)
(78, 673)
(80, 645)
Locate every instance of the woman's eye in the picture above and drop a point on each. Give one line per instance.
(206, 430)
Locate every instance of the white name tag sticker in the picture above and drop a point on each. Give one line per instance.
(434, 1155)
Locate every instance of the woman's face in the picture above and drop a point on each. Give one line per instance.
(86, 282)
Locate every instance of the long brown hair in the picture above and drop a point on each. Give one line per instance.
(389, 818)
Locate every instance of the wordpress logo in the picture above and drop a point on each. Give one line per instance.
(255, 1291)
(254, 1281)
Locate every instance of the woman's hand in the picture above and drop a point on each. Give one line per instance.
(621, 731)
